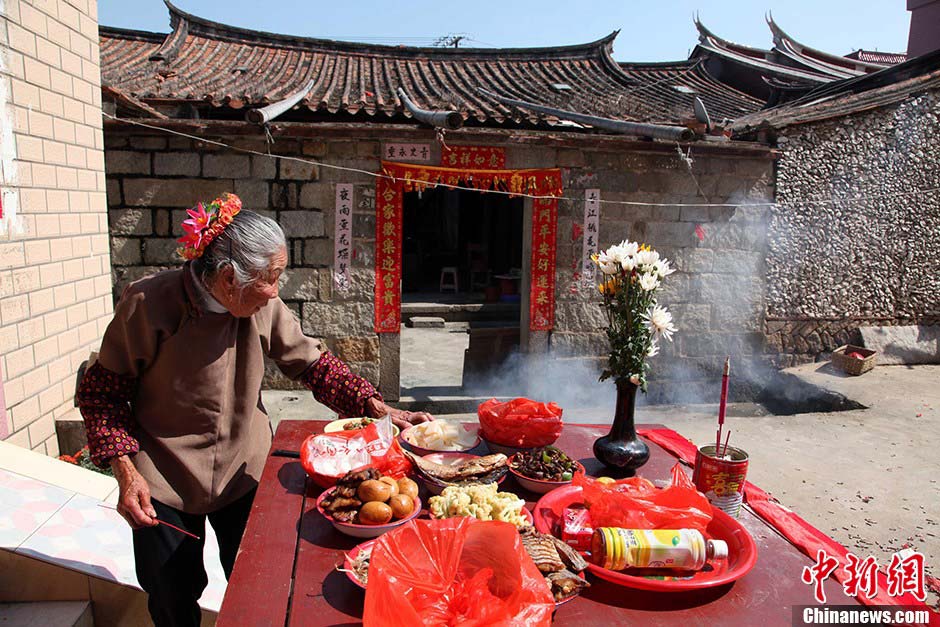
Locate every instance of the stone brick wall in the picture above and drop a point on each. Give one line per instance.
(55, 284)
(833, 267)
(152, 179)
(717, 295)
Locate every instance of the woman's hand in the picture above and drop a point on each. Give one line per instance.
(400, 418)
(133, 494)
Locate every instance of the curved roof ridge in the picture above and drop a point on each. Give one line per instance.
(705, 34)
(218, 30)
(818, 57)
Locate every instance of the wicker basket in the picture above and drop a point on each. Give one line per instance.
(853, 365)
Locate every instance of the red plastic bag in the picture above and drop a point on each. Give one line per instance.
(327, 457)
(636, 503)
(455, 571)
(521, 422)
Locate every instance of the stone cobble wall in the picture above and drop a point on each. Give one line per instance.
(717, 295)
(835, 266)
(152, 180)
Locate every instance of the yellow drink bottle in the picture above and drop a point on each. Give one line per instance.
(687, 549)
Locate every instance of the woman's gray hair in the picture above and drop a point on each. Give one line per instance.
(247, 244)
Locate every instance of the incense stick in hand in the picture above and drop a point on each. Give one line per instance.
(162, 522)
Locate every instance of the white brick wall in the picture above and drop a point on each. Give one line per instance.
(55, 269)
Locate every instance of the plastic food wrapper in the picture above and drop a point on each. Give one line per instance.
(636, 503)
(327, 457)
(521, 423)
(456, 571)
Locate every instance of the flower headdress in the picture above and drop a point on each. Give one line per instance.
(205, 223)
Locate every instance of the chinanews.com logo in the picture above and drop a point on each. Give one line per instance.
(860, 579)
(858, 615)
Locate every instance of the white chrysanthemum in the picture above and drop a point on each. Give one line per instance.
(649, 282)
(629, 250)
(662, 268)
(606, 264)
(653, 349)
(646, 258)
(659, 322)
(635, 379)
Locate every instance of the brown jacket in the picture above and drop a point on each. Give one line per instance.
(202, 428)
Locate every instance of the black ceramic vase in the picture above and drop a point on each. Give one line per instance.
(621, 449)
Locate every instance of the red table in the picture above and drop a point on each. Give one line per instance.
(285, 571)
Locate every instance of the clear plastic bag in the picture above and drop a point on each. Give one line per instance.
(455, 571)
(327, 457)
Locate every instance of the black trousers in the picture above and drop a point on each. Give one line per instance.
(169, 563)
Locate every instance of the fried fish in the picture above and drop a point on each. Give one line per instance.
(542, 551)
(479, 469)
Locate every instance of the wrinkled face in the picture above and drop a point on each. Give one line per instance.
(246, 302)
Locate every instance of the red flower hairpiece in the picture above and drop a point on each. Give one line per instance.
(205, 223)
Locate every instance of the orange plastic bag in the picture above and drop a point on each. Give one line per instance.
(455, 571)
(521, 422)
(327, 457)
(636, 503)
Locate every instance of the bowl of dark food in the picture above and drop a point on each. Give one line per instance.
(364, 504)
(441, 470)
(543, 469)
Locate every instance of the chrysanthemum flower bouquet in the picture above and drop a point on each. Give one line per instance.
(631, 275)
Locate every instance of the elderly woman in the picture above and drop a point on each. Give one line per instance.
(173, 402)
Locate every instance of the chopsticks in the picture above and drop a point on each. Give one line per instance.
(162, 522)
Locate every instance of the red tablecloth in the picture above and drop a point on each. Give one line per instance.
(285, 572)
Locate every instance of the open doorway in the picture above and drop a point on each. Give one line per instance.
(462, 259)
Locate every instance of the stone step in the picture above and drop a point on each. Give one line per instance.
(426, 322)
(47, 614)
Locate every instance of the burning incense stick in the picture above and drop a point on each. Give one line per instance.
(723, 403)
(162, 522)
(724, 451)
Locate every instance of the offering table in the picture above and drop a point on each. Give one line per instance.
(285, 573)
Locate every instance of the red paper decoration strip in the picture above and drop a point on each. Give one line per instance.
(542, 289)
(388, 223)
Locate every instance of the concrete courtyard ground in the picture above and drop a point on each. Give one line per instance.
(870, 477)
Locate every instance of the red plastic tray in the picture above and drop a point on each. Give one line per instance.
(742, 552)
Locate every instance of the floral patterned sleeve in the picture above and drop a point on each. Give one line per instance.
(335, 385)
(104, 401)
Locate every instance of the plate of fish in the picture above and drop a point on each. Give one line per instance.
(458, 469)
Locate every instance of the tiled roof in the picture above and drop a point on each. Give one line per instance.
(850, 96)
(672, 86)
(222, 69)
(789, 66)
(873, 56)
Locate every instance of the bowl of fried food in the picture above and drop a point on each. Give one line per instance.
(441, 470)
(364, 504)
(543, 469)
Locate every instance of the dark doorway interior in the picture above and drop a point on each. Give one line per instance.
(461, 277)
(478, 234)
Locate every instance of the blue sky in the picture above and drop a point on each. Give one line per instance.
(649, 31)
